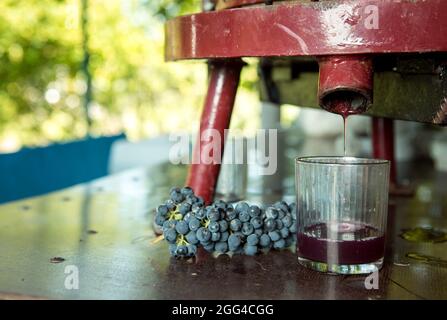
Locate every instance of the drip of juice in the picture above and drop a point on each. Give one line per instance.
(345, 119)
(341, 243)
(344, 108)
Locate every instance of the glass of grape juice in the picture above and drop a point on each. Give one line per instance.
(342, 205)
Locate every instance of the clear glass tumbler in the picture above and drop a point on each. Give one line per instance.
(232, 181)
(342, 206)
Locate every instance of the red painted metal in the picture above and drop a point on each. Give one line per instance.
(383, 143)
(345, 84)
(310, 28)
(216, 114)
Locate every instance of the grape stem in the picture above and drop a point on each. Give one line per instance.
(181, 240)
(158, 239)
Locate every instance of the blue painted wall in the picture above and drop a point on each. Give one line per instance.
(36, 171)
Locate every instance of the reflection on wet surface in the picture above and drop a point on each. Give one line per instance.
(121, 260)
(424, 234)
(427, 259)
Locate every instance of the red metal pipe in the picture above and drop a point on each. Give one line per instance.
(383, 143)
(346, 84)
(216, 114)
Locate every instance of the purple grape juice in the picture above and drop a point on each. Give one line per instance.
(341, 243)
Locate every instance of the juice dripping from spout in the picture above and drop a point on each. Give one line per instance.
(344, 108)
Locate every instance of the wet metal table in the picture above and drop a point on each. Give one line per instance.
(103, 231)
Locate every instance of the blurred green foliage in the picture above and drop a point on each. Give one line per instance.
(165, 9)
(134, 90)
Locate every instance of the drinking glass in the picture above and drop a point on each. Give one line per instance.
(342, 205)
(232, 181)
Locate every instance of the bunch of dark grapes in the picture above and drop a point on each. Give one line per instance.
(223, 228)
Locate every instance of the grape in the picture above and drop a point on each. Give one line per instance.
(184, 208)
(221, 247)
(264, 240)
(195, 207)
(214, 226)
(194, 224)
(169, 224)
(224, 236)
(270, 224)
(284, 232)
(182, 227)
(271, 213)
(292, 208)
(187, 217)
(279, 224)
(280, 244)
(191, 199)
(222, 215)
(234, 241)
(174, 189)
(220, 204)
(244, 216)
(274, 235)
(200, 201)
(192, 238)
(203, 234)
(159, 219)
(240, 235)
(172, 249)
(223, 225)
(281, 214)
(176, 196)
(181, 251)
(192, 250)
(247, 229)
(256, 222)
(209, 247)
(200, 214)
(250, 250)
(231, 214)
(170, 204)
(186, 191)
(235, 225)
(242, 206)
(259, 232)
(287, 221)
(254, 212)
(252, 240)
(212, 214)
(292, 228)
(215, 236)
(163, 210)
(187, 223)
(282, 205)
(170, 235)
